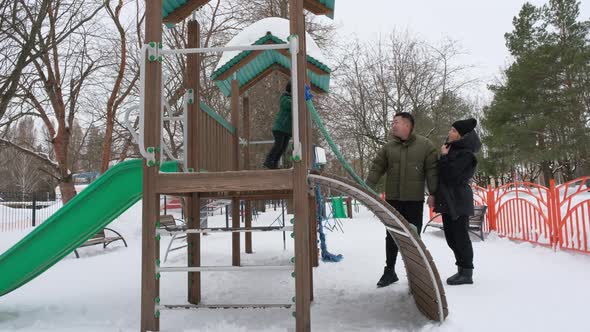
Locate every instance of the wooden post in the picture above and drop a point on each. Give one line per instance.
(300, 186)
(235, 118)
(248, 203)
(349, 206)
(150, 284)
(193, 215)
(313, 225)
(313, 237)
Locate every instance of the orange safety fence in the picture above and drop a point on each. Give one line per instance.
(557, 217)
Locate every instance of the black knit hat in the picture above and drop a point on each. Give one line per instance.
(465, 126)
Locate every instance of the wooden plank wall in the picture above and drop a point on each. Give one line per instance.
(215, 149)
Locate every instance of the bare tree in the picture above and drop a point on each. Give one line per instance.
(399, 73)
(121, 88)
(20, 23)
(58, 78)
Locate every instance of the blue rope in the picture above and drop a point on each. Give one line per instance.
(326, 255)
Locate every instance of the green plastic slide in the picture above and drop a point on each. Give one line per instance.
(77, 221)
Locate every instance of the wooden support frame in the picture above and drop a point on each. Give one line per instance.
(235, 211)
(184, 11)
(247, 204)
(255, 180)
(308, 150)
(317, 7)
(150, 284)
(193, 200)
(243, 184)
(251, 195)
(300, 186)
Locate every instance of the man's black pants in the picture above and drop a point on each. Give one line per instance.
(412, 211)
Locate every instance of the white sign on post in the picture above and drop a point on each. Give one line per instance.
(320, 156)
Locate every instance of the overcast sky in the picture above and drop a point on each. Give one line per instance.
(478, 25)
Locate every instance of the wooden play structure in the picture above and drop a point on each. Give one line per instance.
(211, 166)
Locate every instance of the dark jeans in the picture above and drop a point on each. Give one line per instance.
(412, 211)
(278, 148)
(457, 235)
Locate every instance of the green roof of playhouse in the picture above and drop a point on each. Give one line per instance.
(174, 11)
(249, 66)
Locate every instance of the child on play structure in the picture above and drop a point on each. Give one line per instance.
(282, 128)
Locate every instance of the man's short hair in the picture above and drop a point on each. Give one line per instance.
(407, 116)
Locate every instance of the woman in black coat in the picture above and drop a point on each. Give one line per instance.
(454, 197)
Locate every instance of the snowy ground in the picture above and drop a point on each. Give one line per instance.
(518, 287)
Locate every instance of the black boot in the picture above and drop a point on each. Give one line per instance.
(388, 277)
(462, 277)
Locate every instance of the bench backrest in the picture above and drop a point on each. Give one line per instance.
(99, 235)
(167, 221)
(478, 215)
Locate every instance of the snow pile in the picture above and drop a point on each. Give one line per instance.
(278, 27)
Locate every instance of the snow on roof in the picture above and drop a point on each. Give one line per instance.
(278, 27)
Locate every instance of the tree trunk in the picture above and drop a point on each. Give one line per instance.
(67, 189)
(60, 147)
(108, 141)
(547, 175)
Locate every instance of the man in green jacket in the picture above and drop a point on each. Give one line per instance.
(281, 130)
(409, 160)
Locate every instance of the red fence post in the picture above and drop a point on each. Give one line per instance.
(491, 208)
(553, 213)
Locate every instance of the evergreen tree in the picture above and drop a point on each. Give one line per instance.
(538, 116)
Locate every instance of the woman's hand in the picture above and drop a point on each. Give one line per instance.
(444, 149)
